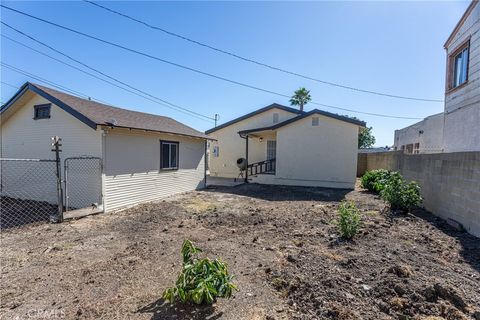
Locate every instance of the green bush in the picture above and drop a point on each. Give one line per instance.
(349, 219)
(375, 180)
(401, 195)
(201, 280)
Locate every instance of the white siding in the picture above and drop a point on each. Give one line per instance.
(323, 155)
(132, 168)
(462, 106)
(232, 147)
(24, 137)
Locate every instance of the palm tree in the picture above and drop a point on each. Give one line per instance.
(300, 98)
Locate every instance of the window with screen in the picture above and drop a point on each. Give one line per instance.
(169, 155)
(41, 111)
(315, 121)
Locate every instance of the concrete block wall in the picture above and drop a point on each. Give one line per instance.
(450, 182)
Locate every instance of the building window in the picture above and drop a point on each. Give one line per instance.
(416, 148)
(409, 148)
(459, 66)
(275, 118)
(216, 151)
(315, 121)
(41, 111)
(168, 155)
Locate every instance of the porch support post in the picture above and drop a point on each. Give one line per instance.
(246, 158)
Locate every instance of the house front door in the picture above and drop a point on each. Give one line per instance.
(271, 149)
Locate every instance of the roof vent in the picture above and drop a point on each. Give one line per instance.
(111, 122)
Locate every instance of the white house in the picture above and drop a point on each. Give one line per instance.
(145, 157)
(425, 136)
(286, 146)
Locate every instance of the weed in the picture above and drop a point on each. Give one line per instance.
(201, 280)
(349, 219)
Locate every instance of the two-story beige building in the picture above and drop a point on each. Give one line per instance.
(286, 146)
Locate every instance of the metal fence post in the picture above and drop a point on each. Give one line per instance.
(56, 144)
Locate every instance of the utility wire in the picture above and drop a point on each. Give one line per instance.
(164, 102)
(101, 79)
(195, 70)
(256, 61)
(10, 85)
(51, 83)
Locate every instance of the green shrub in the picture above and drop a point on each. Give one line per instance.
(375, 180)
(201, 280)
(349, 219)
(401, 195)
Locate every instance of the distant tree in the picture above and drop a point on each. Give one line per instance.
(300, 98)
(366, 138)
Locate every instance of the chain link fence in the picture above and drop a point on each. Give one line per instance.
(28, 192)
(83, 182)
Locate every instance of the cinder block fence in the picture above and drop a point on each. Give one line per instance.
(450, 182)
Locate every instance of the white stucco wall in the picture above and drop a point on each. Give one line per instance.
(232, 147)
(431, 140)
(323, 155)
(132, 167)
(23, 137)
(462, 105)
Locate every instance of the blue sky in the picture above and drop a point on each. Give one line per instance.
(393, 47)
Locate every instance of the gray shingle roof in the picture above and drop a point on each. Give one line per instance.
(95, 113)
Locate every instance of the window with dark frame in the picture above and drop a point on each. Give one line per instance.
(459, 63)
(169, 154)
(41, 111)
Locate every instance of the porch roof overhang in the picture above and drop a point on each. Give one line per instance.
(255, 131)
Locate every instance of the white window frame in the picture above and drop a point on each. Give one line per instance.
(169, 165)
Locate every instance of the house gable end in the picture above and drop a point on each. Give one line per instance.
(28, 86)
(255, 113)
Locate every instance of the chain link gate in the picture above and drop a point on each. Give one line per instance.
(83, 184)
(28, 192)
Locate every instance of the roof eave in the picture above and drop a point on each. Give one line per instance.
(460, 23)
(159, 131)
(254, 113)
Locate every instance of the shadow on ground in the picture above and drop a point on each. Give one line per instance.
(163, 310)
(283, 193)
(469, 243)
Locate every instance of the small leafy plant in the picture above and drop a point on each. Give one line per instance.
(201, 280)
(401, 195)
(349, 219)
(375, 180)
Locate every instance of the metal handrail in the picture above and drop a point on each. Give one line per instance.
(265, 166)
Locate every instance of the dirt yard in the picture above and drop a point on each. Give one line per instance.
(280, 243)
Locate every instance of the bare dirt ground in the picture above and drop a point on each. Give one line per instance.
(280, 243)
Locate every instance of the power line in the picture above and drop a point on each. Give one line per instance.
(51, 83)
(192, 69)
(95, 76)
(256, 61)
(164, 102)
(10, 85)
